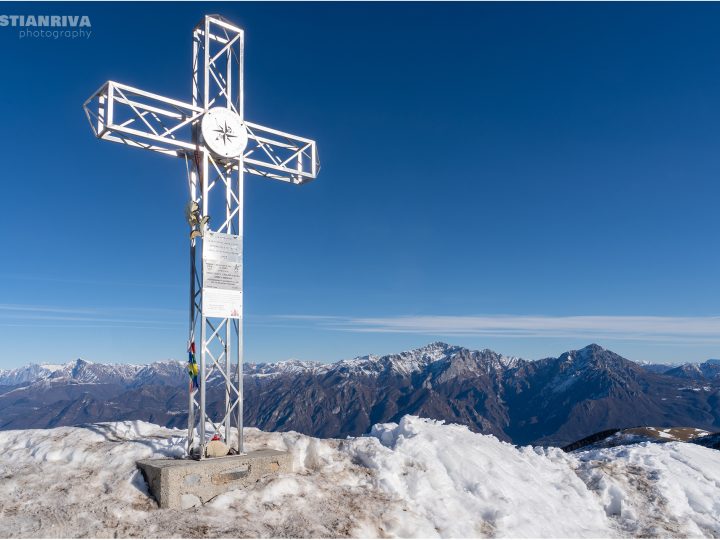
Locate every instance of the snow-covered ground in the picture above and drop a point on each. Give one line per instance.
(418, 478)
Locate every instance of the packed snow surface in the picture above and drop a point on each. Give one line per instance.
(418, 478)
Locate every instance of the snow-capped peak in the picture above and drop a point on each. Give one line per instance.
(78, 371)
(26, 374)
(403, 363)
(291, 365)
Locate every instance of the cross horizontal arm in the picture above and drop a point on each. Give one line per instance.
(121, 113)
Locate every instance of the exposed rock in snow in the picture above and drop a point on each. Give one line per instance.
(415, 478)
(624, 437)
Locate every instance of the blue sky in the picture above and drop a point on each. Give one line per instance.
(524, 177)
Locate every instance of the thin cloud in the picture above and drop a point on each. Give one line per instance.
(55, 279)
(621, 327)
(43, 309)
(23, 315)
(87, 326)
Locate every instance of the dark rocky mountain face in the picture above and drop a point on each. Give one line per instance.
(550, 401)
(347, 398)
(708, 370)
(596, 389)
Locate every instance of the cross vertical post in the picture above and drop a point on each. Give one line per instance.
(218, 48)
(218, 146)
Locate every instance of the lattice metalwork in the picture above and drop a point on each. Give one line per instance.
(121, 113)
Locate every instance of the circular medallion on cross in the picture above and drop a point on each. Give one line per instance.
(223, 132)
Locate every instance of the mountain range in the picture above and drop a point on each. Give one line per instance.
(552, 401)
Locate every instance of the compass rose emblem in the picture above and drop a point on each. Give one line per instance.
(223, 132)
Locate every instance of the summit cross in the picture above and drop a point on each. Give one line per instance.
(218, 145)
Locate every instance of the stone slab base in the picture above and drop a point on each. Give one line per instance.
(182, 483)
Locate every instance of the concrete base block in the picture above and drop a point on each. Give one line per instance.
(182, 483)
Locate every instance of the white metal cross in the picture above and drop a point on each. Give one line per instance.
(218, 146)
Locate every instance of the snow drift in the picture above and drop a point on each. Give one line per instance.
(415, 478)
